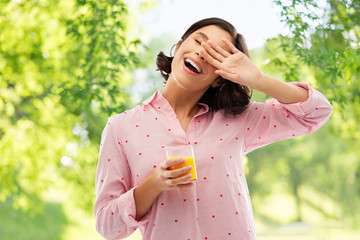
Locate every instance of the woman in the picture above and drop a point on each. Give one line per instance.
(205, 103)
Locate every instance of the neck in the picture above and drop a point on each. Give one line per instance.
(183, 101)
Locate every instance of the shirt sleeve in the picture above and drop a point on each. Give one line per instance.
(273, 121)
(114, 208)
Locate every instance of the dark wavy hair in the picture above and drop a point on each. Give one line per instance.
(232, 97)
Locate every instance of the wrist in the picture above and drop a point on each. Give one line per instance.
(152, 185)
(259, 82)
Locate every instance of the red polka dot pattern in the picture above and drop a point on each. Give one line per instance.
(136, 147)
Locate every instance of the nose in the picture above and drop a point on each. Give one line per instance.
(200, 55)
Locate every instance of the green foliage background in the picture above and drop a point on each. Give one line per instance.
(65, 66)
(322, 50)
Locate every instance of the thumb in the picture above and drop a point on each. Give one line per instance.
(226, 75)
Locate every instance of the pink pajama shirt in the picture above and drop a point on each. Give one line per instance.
(218, 206)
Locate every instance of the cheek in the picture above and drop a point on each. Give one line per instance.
(176, 62)
(211, 75)
(211, 71)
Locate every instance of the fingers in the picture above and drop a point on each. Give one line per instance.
(185, 185)
(172, 174)
(210, 59)
(215, 54)
(218, 49)
(233, 49)
(176, 172)
(226, 75)
(181, 180)
(212, 50)
(171, 162)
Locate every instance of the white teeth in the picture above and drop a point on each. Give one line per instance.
(192, 64)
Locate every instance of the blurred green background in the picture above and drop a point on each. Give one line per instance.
(65, 66)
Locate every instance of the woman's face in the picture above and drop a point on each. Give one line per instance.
(189, 69)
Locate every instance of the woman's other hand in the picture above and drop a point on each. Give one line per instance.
(164, 179)
(160, 180)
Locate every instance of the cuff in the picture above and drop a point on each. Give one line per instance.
(129, 210)
(303, 108)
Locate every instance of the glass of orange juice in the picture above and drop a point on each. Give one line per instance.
(186, 152)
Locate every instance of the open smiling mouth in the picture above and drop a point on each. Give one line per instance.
(192, 66)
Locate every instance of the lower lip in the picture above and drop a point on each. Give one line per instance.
(188, 70)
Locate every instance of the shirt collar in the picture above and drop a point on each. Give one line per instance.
(158, 98)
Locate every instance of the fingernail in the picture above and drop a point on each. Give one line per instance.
(189, 167)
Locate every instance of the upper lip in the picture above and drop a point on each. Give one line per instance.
(196, 62)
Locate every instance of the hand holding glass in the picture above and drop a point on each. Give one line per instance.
(186, 152)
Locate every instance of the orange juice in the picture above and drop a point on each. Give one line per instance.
(189, 161)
